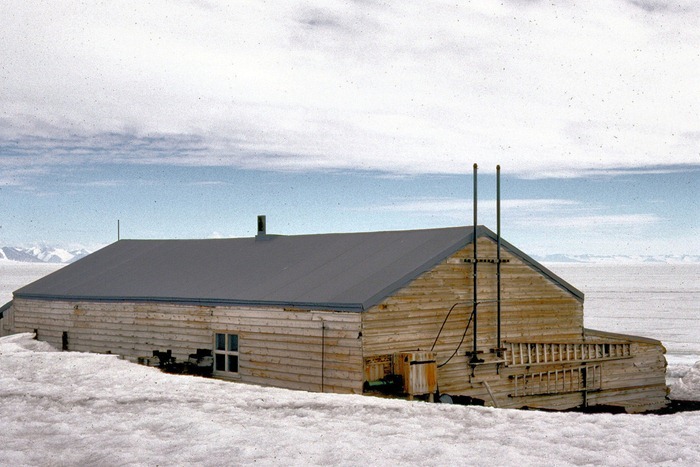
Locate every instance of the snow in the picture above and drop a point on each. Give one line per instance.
(70, 408)
(74, 408)
(51, 255)
(15, 274)
(688, 386)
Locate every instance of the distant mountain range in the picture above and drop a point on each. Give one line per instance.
(47, 254)
(619, 259)
(41, 254)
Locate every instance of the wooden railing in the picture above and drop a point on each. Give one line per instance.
(531, 353)
(583, 378)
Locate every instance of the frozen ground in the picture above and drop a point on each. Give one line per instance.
(14, 275)
(68, 408)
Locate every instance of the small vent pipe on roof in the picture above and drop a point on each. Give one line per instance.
(262, 227)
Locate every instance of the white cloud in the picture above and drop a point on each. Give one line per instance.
(588, 222)
(431, 205)
(207, 183)
(548, 90)
(539, 214)
(100, 183)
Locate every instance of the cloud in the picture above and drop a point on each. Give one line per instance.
(538, 214)
(547, 90)
(101, 183)
(592, 222)
(18, 176)
(660, 6)
(431, 205)
(207, 183)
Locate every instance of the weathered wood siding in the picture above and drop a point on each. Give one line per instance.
(534, 309)
(7, 322)
(411, 318)
(637, 383)
(277, 347)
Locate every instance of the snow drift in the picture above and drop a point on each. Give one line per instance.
(70, 408)
(688, 387)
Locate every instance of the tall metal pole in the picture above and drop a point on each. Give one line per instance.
(118, 232)
(498, 259)
(474, 355)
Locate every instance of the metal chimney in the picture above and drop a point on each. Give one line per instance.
(262, 227)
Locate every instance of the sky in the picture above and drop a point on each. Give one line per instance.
(187, 119)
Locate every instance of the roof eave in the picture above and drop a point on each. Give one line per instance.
(426, 266)
(320, 306)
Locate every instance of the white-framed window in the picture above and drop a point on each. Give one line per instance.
(226, 352)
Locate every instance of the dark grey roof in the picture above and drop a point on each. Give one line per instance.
(351, 271)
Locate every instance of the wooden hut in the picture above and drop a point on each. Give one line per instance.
(414, 313)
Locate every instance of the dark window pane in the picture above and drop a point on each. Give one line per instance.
(233, 363)
(221, 342)
(220, 362)
(233, 342)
